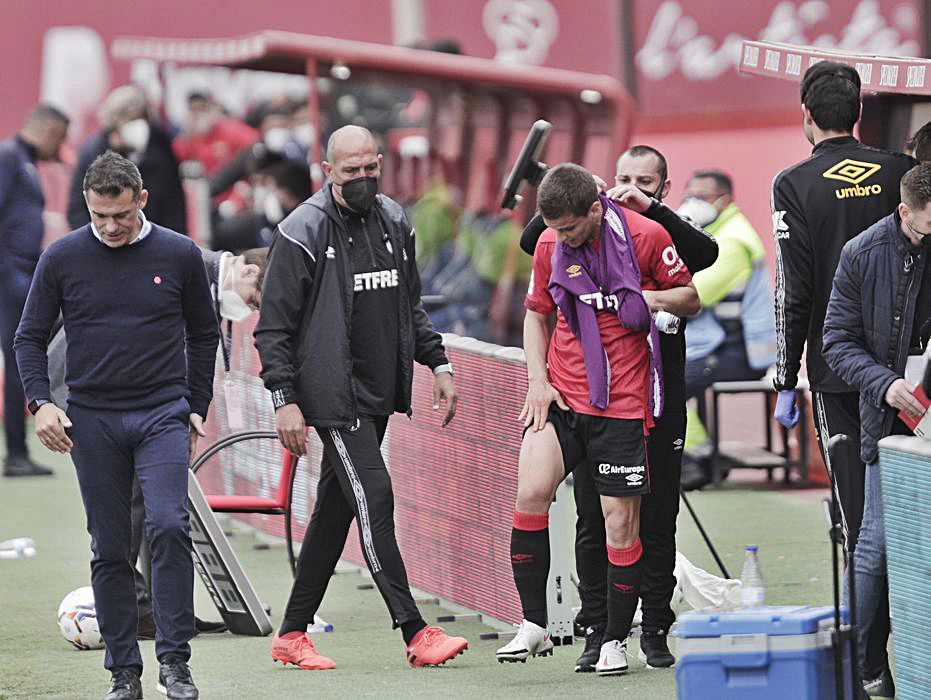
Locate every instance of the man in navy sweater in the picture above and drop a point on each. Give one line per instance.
(142, 333)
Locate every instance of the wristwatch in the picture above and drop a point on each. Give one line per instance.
(36, 404)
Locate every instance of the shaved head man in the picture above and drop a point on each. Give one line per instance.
(340, 323)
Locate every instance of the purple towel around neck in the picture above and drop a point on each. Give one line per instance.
(585, 281)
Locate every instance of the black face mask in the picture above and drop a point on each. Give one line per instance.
(652, 195)
(359, 193)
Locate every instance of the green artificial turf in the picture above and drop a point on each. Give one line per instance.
(35, 662)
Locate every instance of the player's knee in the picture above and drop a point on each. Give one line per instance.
(534, 496)
(622, 527)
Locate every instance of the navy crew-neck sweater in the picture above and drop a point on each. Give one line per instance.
(139, 319)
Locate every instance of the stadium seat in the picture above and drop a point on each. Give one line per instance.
(733, 454)
(279, 504)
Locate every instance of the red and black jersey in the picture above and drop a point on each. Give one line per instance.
(660, 268)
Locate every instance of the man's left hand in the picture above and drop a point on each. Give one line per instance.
(197, 430)
(444, 389)
(630, 197)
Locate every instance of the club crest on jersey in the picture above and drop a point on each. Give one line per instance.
(854, 172)
(574, 270)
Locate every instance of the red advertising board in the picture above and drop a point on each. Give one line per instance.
(683, 55)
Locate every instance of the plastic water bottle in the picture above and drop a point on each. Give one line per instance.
(319, 625)
(751, 590)
(17, 548)
(666, 322)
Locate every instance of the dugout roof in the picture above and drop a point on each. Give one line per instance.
(901, 75)
(592, 114)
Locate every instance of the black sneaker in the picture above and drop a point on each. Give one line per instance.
(654, 651)
(145, 627)
(21, 465)
(207, 627)
(586, 662)
(882, 687)
(174, 679)
(124, 685)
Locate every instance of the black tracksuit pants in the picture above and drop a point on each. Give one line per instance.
(658, 513)
(840, 414)
(354, 483)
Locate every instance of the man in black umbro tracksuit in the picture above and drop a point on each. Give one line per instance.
(341, 325)
(818, 205)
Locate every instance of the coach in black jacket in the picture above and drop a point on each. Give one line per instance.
(340, 326)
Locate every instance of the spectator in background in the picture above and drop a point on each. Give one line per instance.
(21, 231)
(734, 335)
(128, 129)
(209, 136)
(275, 142)
(920, 144)
(875, 331)
(276, 192)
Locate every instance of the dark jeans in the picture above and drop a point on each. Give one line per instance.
(837, 414)
(658, 513)
(354, 483)
(872, 582)
(110, 447)
(13, 293)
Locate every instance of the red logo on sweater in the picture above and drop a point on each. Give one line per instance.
(157, 279)
(521, 558)
(624, 588)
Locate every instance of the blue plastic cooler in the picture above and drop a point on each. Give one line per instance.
(773, 652)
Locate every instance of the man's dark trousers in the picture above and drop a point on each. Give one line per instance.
(658, 513)
(14, 286)
(839, 413)
(109, 447)
(354, 483)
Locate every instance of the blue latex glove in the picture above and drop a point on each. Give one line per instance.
(786, 412)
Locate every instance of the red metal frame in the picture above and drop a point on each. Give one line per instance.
(436, 73)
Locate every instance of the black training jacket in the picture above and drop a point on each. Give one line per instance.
(303, 332)
(818, 205)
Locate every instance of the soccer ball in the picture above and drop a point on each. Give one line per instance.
(77, 619)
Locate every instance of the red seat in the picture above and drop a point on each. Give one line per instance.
(280, 504)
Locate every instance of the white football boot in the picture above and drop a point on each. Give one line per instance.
(530, 640)
(613, 659)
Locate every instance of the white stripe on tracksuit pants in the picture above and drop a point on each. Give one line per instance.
(354, 483)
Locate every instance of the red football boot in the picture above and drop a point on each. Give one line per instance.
(301, 652)
(431, 646)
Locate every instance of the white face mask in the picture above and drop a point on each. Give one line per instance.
(272, 209)
(698, 211)
(259, 195)
(232, 307)
(276, 138)
(304, 134)
(135, 134)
